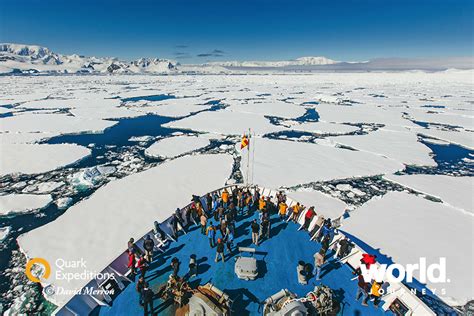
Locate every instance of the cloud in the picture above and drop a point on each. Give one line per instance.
(214, 53)
(182, 55)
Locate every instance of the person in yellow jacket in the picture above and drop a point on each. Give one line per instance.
(376, 292)
(282, 209)
(261, 203)
(296, 212)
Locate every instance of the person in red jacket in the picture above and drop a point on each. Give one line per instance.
(310, 213)
(142, 264)
(131, 262)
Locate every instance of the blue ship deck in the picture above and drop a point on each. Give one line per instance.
(282, 251)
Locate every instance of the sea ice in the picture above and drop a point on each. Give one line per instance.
(35, 158)
(175, 146)
(285, 163)
(22, 203)
(403, 147)
(324, 128)
(52, 123)
(275, 108)
(4, 232)
(323, 203)
(226, 122)
(454, 191)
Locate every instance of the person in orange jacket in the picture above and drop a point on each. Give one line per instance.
(225, 198)
(261, 203)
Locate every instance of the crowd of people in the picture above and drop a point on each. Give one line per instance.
(216, 216)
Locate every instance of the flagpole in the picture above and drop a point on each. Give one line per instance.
(253, 157)
(248, 158)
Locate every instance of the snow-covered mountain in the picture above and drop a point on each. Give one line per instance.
(302, 61)
(18, 58)
(26, 59)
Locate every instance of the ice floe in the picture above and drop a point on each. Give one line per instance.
(98, 228)
(400, 146)
(52, 123)
(4, 232)
(284, 163)
(454, 191)
(23, 203)
(406, 227)
(323, 203)
(324, 128)
(178, 107)
(274, 108)
(226, 122)
(175, 146)
(36, 158)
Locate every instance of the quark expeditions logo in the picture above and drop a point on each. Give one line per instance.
(66, 271)
(29, 269)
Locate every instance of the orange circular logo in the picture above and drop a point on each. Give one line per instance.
(41, 261)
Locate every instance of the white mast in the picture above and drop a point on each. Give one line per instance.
(248, 158)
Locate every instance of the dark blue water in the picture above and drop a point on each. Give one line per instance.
(422, 124)
(450, 160)
(119, 134)
(157, 97)
(450, 153)
(311, 115)
(8, 114)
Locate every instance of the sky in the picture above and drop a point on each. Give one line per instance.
(200, 31)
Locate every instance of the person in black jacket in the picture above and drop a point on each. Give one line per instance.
(345, 247)
(255, 230)
(139, 286)
(158, 231)
(147, 299)
(220, 250)
(149, 244)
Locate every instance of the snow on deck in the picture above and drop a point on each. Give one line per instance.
(36, 158)
(286, 163)
(454, 191)
(175, 146)
(22, 203)
(97, 229)
(407, 227)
